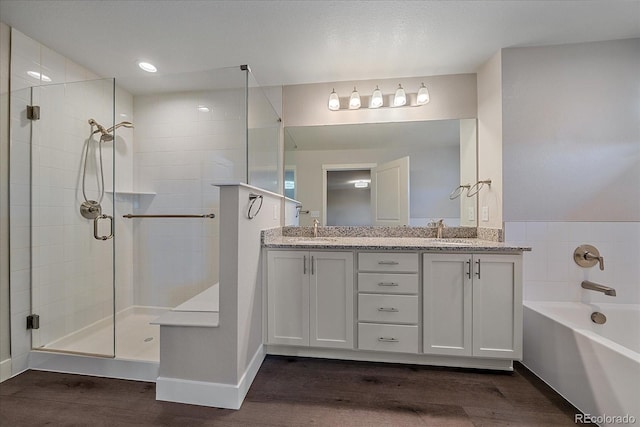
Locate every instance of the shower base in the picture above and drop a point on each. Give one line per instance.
(90, 350)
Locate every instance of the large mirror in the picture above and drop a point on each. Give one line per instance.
(399, 173)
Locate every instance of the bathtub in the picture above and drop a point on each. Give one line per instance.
(595, 367)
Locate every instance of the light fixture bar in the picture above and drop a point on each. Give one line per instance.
(376, 100)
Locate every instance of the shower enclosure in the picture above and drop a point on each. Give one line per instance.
(148, 156)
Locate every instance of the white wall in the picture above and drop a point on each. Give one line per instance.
(571, 134)
(350, 206)
(452, 97)
(468, 170)
(572, 165)
(5, 316)
(179, 152)
(490, 140)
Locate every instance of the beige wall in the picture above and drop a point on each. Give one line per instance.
(452, 97)
(490, 140)
(571, 133)
(5, 332)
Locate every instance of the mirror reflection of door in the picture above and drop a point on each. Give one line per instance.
(390, 193)
(348, 197)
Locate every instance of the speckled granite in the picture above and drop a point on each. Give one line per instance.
(492, 234)
(269, 234)
(363, 231)
(393, 243)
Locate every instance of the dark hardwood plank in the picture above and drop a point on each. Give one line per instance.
(299, 391)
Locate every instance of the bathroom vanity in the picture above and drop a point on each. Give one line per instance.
(448, 302)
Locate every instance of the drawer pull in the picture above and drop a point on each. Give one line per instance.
(388, 309)
(385, 339)
(388, 284)
(388, 262)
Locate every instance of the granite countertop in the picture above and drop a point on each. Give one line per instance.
(393, 243)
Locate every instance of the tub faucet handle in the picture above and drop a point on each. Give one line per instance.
(588, 256)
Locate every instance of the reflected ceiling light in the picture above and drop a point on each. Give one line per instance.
(149, 68)
(423, 95)
(334, 101)
(203, 108)
(36, 75)
(361, 184)
(400, 97)
(376, 99)
(289, 185)
(354, 100)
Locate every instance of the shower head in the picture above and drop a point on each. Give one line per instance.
(107, 133)
(105, 137)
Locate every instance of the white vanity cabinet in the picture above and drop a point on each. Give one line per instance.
(310, 298)
(388, 303)
(472, 305)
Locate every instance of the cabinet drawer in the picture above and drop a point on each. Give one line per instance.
(388, 308)
(396, 338)
(388, 261)
(388, 283)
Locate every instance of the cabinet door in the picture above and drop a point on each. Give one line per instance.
(447, 304)
(497, 306)
(288, 297)
(331, 299)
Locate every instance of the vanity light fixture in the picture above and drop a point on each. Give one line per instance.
(334, 101)
(423, 95)
(354, 100)
(149, 68)
(400, 98)
(376, 99)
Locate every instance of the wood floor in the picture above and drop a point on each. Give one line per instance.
(297, 392)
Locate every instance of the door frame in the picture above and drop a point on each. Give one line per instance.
(338, 167)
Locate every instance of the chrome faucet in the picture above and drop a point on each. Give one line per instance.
(315, 227)
(440, 226)
(598, 288)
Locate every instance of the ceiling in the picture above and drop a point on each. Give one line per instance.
(294, 42)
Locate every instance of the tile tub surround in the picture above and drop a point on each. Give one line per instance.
(393, 243)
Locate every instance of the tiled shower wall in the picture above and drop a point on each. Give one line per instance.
(69, 288)
(550, 274)
(180, 151)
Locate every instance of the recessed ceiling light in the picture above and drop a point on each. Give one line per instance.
(36, 75)
(149, 68)
(203, 109)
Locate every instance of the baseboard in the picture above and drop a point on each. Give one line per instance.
(5, 370)
(228, 396)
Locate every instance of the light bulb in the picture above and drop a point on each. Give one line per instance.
(354, 100)
(423, 95)
(334, 101)
(376, 99)
(400, 97)
(148, 67)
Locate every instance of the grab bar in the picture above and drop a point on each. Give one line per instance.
(170, 216)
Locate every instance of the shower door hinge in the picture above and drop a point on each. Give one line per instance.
(33, 321)
(33, 112)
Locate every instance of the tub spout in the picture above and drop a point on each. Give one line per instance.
(599, 288)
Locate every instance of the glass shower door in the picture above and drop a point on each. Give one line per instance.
(72, 242)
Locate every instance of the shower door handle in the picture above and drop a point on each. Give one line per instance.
(95, 227)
